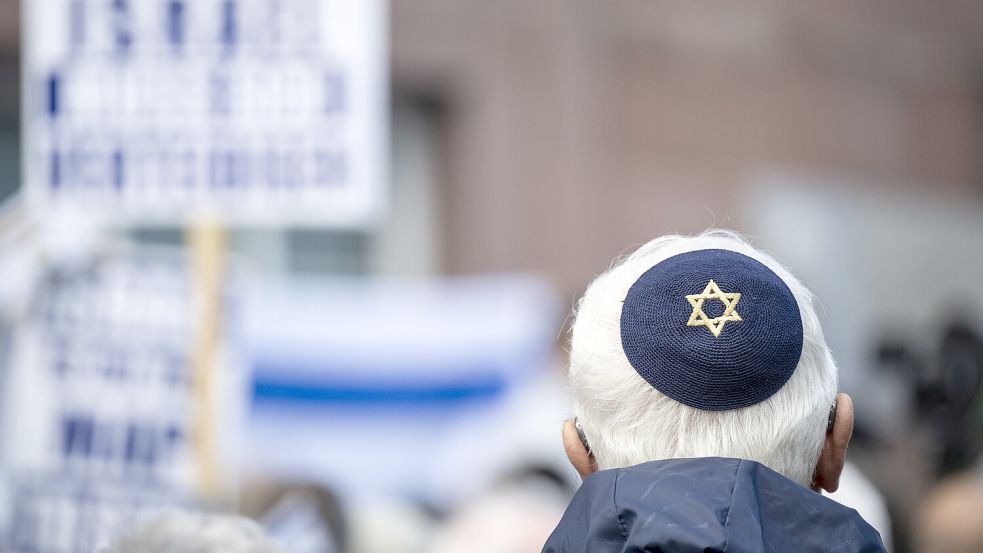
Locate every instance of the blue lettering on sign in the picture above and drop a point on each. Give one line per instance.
(77, 436)
(175, 22)
(229, 25)
(219, 94)
(55, 173)
(122, 35)
(128, 442)
(118, 174)
(174, 436)
(131, 444)
(222, 169)
(53, 85)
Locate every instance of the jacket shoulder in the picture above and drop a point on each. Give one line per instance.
(591, 522)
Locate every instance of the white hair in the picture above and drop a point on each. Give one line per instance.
(627, 421)
(175, 531)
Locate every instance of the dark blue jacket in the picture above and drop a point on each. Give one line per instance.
(707, 505)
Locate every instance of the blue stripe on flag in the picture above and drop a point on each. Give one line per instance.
(325, 393)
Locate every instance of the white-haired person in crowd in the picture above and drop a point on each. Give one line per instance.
(706, 409)
(176, 531)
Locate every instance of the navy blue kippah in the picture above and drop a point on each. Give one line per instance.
(713, 329)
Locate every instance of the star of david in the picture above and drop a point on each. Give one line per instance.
(713, 292)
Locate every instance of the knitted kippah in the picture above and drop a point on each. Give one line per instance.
(713, 329)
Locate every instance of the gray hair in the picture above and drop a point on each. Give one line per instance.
(628, 422)
(188, 532)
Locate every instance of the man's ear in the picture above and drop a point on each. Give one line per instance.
(580, 458)
(831, 460)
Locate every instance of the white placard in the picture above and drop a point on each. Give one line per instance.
(99, 410)
(236, 111)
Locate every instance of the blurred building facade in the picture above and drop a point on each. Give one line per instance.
(572, 130)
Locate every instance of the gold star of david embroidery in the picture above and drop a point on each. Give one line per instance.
(713, 292)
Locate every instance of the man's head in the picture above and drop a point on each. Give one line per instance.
(703, 346)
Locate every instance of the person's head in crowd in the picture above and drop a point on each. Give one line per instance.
(175, 531)
(515, 513)
(667, 363)
(948, 519)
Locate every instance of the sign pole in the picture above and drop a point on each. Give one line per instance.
(207, 244)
